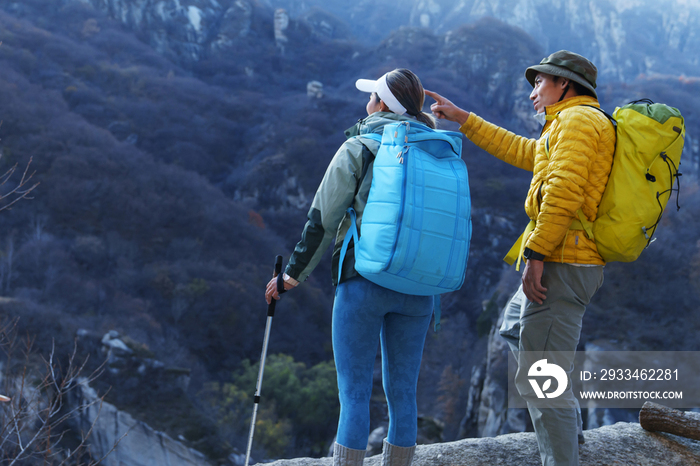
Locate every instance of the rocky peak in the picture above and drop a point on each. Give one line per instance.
(281, 25)
(190, 31)
(236, 22)
(623, 443)
(617, 36)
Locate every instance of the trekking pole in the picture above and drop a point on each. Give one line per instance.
(270, 315)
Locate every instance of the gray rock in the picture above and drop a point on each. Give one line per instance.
(281, 25)
(314, 89)
(118, 346)
(375, 441)
(124, 439)
(487, 412)
(599, 417)
(469, 426)
(622, 444)
(109, 335)
(237, 21)
(493, 410)
(238, 459)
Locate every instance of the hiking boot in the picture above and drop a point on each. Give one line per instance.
(344, 456)
(397, 456)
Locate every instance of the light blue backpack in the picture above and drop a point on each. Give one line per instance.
(416, 226)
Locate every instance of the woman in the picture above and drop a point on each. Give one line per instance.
(364, 313)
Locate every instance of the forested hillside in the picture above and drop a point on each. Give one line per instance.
(169, 182)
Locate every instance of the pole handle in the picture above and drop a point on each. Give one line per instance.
(280, 276)
(278, 265)
(280, 285)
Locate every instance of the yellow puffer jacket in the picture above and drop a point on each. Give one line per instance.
(570, 162)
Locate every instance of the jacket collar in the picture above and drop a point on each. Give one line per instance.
(374, 123)
(553, 110)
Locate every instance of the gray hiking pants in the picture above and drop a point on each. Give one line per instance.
(540, 329)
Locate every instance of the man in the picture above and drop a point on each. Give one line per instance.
(571, 162)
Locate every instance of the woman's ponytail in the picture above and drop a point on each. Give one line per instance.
(427, 119)
(408, 90)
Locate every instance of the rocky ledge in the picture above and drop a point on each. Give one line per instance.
(620, 444)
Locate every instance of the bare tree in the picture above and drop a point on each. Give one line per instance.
(34, 412)
(13, 194)
(6, 266)
(10, 195)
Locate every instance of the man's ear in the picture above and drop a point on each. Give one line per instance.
(564, 82)
(383, 107)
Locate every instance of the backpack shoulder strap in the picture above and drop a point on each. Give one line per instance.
(610, 117)
(367, 158)
(351, 233)
(374, 136)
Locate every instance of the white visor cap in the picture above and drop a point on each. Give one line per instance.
(382, 89)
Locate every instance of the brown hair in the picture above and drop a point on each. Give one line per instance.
(408, 90)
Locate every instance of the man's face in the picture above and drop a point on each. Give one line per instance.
(546, 91)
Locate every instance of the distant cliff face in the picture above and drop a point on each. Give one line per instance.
(618, 36)
(186, 29)
(624, 38)
(193, 30)
(627, 40)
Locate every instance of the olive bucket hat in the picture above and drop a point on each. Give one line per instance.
(568, 65)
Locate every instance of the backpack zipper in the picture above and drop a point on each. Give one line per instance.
(403, 199)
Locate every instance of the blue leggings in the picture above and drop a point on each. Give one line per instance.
(364, 313)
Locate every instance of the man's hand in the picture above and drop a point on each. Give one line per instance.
(444, 109)
(532, 281)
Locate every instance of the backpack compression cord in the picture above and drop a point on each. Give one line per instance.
(674, 175)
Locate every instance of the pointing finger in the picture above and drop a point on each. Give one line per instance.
(433, 95)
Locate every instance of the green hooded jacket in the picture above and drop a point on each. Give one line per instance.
(346, 183)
